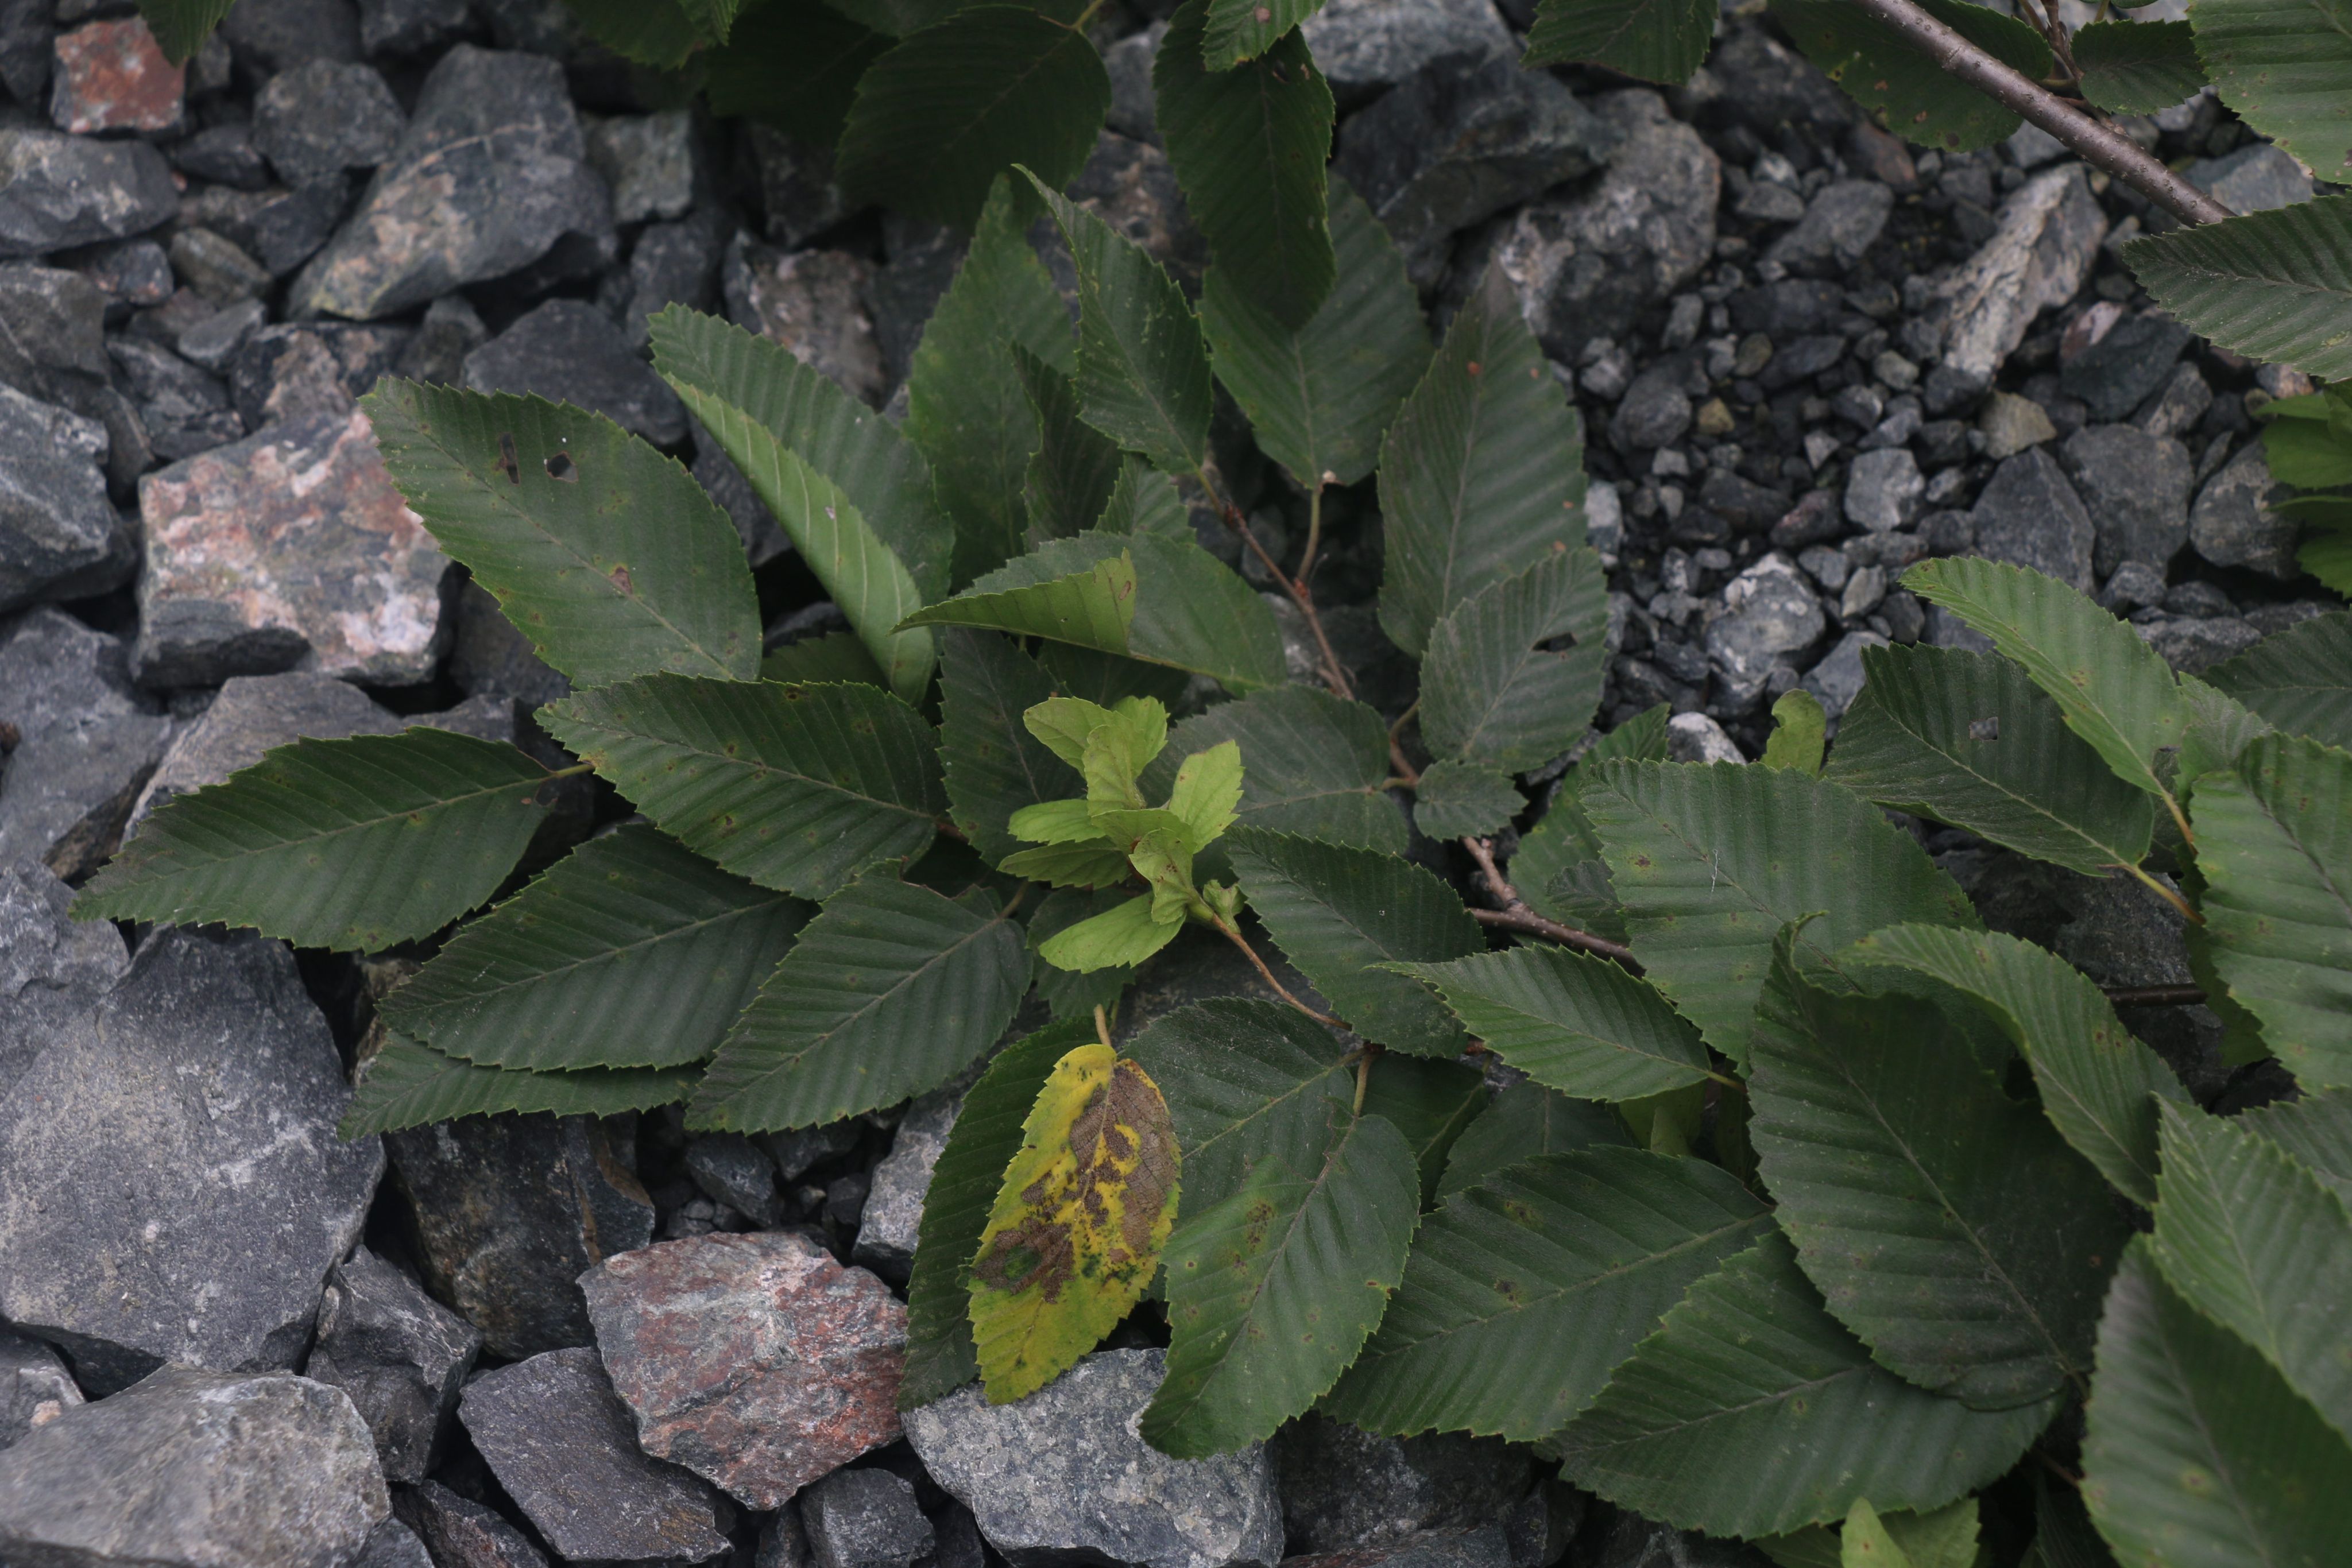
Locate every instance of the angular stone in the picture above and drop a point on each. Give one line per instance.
(864, 1518)
(279, 228)
(2233, 524)
(274, 36)
(411, 26)
(289, 549)
(450, 330)
(570, 351)
(2039, 256)
(1695, 737)
(812, 303)
(214, 342)
(2029, 515)
(54, 971)
(1483, 1547)
(923, 260)
(2195, 643)
(195, 1467)
(462, 1533)
(648, 161)
(489, 175)
(1343, 1489)
(1654, 412)
(754, 1360)
(1762, 81)
(1841, 223)
(894, 1205)
(2011, 423)
(1063, 1476)
(87, 741)
(171, 1185)
(510, 1209)
(557, 1439)
(287, 372)
(1129, 65)
(1589, 263)
(1837, 680)
(796, 188)
(57, 191)
(2127, 365)
(111, 76)
(1632, 1541)
(1769, 611)
(51, 320)
(28, 29)
(1882, 489)
(399, 1354)
(2254, 179)
(673, 264)
(252, 715)
(1132, 186)
(34, 1386)
(185, 410)
(1362, 46)
(225, 153)
(324, 117)
(2135, 488)
(393, 1544)
(731, 1170)
(59, 536)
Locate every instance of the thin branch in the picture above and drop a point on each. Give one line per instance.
(1406, 773)
(1515, 914)
(2170, 895)
(2100, 144)
(1335, 675)
(1364, 1073)
(1102, 1024)
(2155, 995)
(1242, 942)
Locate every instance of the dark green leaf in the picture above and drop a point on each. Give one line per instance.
(1143, 500)
(2271, 285)
(2300, 680)
(1494, 688)
(1312, 765)
(1656, 40)
(1431, 1103)
(1903, 90)
(2316, 1130)
(1464, 800)
(658, 34)
(1242, 29)
(1520, 1123)
(181, 26)
(994, 766)
(793, 64)
(835, 656)
(413, 1085)
(1069, 480)
(899, 17)
(2137, 67)
(2282, 66)
(1246, 1083)
(1573, 1021)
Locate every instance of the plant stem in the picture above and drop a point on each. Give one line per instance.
(2100, 144)
(1407, 774)
(1314, 532)
(1242, 942)
(1102, 1024)
(1515, 914)
(1364, 1073)
(1335, 675)
(2155, 995)
(573, 771)
(2169, 896)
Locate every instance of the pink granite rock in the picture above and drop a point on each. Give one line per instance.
(111, 76)
(754, 1360)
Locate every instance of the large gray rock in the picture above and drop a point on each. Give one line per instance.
(893, 1215)
(2252, 179)
(1587, 264)
(171, 1185)
(1484, 1546)
(2039, 256)
(54, 970)
(864, 1518)
(253, 715)
(1770, 611)
(399, 1354)
(324, 117)
(648, 161)
(299, 367)
(59, 536)
(194, 1469)
(86, 741)
(489, 177)
(1343, 1489)
(560, 1441)
(59, 191)
(34, 1386)
(2193, 645)
(2233, 524)
(2135, 488)
(1841, 223)
(1363, 46)
(2130, 364)
(52, 321)
(1063, 1476)
(393, 1544)
(568, 351)
(2029, 515)
(460, 1532)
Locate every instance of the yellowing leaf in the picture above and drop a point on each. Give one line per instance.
(1079, 1225)
(1866, 1544)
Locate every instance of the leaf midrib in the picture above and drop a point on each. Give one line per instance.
(757, 767)
(165, 832)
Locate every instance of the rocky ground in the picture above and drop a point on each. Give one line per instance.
(1806, 357)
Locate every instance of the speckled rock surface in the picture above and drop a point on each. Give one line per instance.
(59, 536)
(34, 1386)
(399, 1354)
(87, 741)
(252, 715)
(57, 191)
(111, 76)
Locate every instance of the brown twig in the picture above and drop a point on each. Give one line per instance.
(1406, 773)
(1335, 675)
(1242, 942)
(2155, 995)
(1515, 914)
(2099, 143)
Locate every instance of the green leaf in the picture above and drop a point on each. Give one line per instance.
(1558, 865)
(1800, 733)
(2274, 845)
(797, 788)
(2114, 690)
(2099, 1087)
(181, 26)
(890, 991)
(1573, 1021)
(658, 34)
(1319, 397)
(1336, 911)
(2326, 548)
(1749, 1363)
(1162, 601)
(1656, 40)
(1207, 789)
(1494, 690)
(969, 406)
(2281, 65)
(1431, 1103)
(1248, 1085)
(835, 656)
(1071, 995)
(349, 844)
(2306, 454)
(2316, 1130)
(2137, 67)
(2301, 680)
(1143, 500)
(1143, 370)
(2271, 285)
(793, 63)
(1965, 738)
(899, 17)
(1464, 800)
(1520, 1123)
(713, 19)
(2195, 1454)
(1481, 473)
(1070, 479)
(986, 1137)
(1248, 143)
(1563, 1262)
(2261, 1245)
(1239, 30)
(1902, 87)
(1711, 862)
(629, 952)
(1946, 1224)
(948, 108)
(1272, 1291)
(2219, 729)
(1119, 938)
(1945, 1538)
(1312, 765)
(606, 554)
(995, 766)
(413, 1085)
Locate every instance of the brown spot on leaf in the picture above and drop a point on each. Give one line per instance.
(620, 579)
(509, 463)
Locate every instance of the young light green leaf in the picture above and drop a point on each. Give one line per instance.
(1248, 1083)
(1750, 1363)
(940, 1358)
(1899, 84)
(1143, 370)
(2274, 845)
(1464, 800)
(1094, 863)
(1208, 788)
(1657, 40)
(2114, 690)
(629, 952)
(349, 844)
(604, 553)
(890, 991)
(1066, 724)
(1864, 1543)
(993, 765)
(1239, 30)
(2195, 1454)
(1273, 1291)
(1494, 688)
(2100, 1087)
(2281, 65)
(1119, 938)
(1946, 1224)
(1312, 765)
(793, 64)
(2271, 285)
(1573, 1021)
(1248, 143)
(1800, 733)
(1065, 992)
(1942, 1538)
(1520, 1123)
(1481, 473)
(412, 1085)
(1338, 911)
(2261, 1245)
(952, 107)
(1055, 823)
(1069, 481)
(2300, 680)
(1710, 862)
(1568, 1260)
(2316, 1130)
(1092, 605)
(1319, 397)
(2137, 67)
(796, 787)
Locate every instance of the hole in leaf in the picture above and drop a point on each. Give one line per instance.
(561, 466)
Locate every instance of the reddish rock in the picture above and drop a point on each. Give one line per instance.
(754, 1360)
(111, 76)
